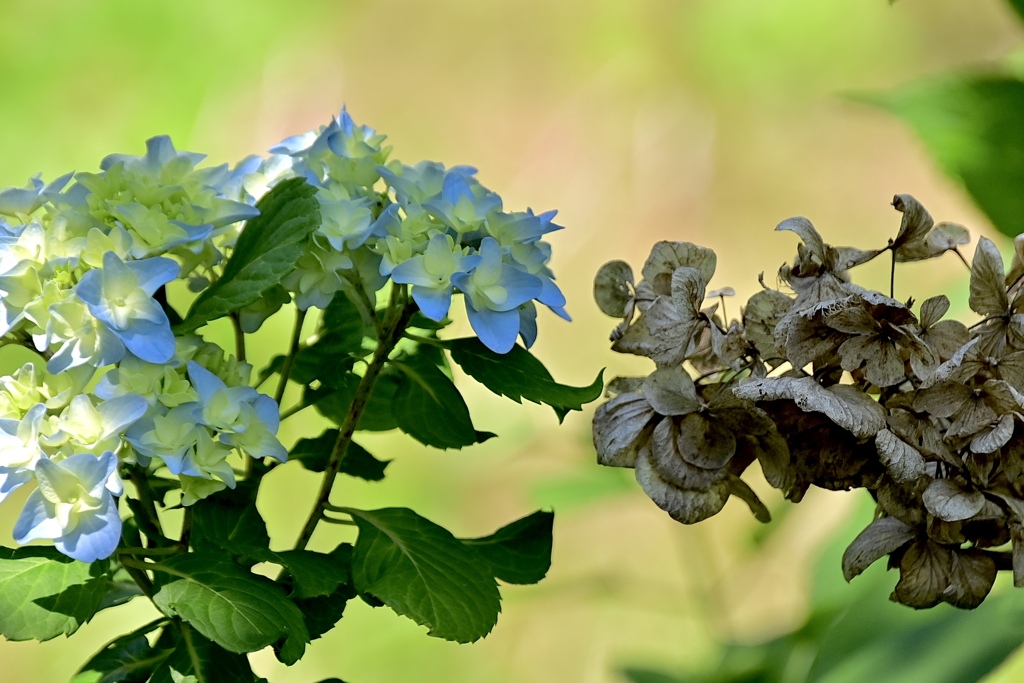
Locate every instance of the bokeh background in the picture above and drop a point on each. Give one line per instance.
(700, 120)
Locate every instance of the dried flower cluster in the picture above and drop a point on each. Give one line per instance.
(827, 383)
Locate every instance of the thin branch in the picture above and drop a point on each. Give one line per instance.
(398, 317)
(293, 350)
(236, 324)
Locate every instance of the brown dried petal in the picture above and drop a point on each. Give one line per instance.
(762, 313)
(950, 501)
(670, 391)
(665, 457)
(1017, 535)
(721, 291)
(943, 237)
(623, 385)
(988, 291)
(1017, 264)
(916, 221)
(995, 438)
(730, 347)
(924, 574)
(849, 257)
(613, 288)
(667, 346)
(852, 320)
(683, 505)
(665, 257)
(883, 364)
(688, 287)
(1010, 368)
(741, 490)
(903, 461)
(883, 536)
(970, 579)
(704, 442)
(933, 309)
(845, 405)
(807, 233)
(942, 400)
(974, 416)
(806, 340)
(946, 337)
(618, 427)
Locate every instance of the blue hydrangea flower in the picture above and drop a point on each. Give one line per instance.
(494, 292)
(20, 449)
(74, 506)
(431, 272)
(120, 295)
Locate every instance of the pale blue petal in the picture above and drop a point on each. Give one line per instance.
(150, 341)
(521, 287)
(433, 302)
(34, 522)
(152, 273)
(12, 478)
(413, 272)
(121, 412)
(496, 329)
(95, 537)
(204, 382)
(528, 323)
(267, 411)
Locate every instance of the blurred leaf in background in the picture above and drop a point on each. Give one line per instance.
(973, 126)
(853, 635)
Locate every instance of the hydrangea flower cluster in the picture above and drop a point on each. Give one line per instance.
(84, 265)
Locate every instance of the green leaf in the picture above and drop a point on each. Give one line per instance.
(421, 571)
(972, 127)
(334, 400)
(126, 659)
(429, 408)
(321, 613)
(1018, 7)
(518, 375)
(44, 594)
(266, 251)
(238, 610)
(229, 520)
(192, 655)
(314, 454)
(519, 552)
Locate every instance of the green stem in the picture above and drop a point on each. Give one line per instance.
(186, 529)
(285, 414)
(149, 552)
(335, 520)
(432, 341)
(353, 288)
(398, 317)
(293, 350)
(197, 662)
(236, 324)
(138, 477)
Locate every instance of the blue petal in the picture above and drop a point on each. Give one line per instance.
(95, 537)
(528, 323)
(150, 341)
(433, 302)
(203, 381)
(152, 273)
(496, 329)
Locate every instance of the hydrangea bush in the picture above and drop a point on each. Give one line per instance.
(127, 412)
(826, 383)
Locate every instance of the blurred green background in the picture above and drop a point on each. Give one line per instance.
(699, 120)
